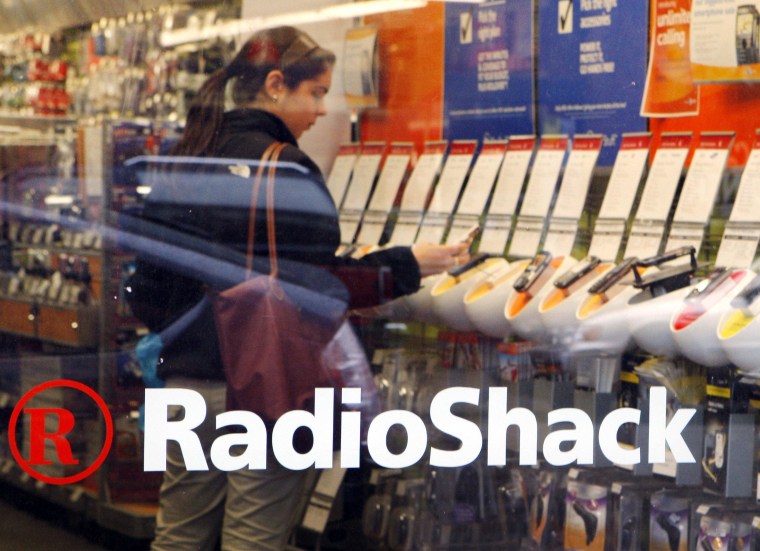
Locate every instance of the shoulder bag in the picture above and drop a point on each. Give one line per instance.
(275, 351)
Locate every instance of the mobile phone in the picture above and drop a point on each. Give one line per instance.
(712, 282)
(472, 263)
(532, 271)
(613, 276)
(668, 256)
(747, 34)
(578, 272)
(470, 234)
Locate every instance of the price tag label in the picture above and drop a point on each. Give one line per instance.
(511, 177)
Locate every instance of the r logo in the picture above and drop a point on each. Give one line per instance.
(38, 435)
(62, 421)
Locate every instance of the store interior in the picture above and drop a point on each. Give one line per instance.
(603, 160)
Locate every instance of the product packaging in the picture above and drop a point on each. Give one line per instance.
(728, 451)
(670, 518)
(547, 509)
(586, 516)
(723, 526)
(628, 513)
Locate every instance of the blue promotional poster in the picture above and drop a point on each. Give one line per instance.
(592, 61)
(488, 72)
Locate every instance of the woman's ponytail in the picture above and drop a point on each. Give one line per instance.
(204, 118)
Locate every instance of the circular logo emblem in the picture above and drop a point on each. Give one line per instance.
(41, 436)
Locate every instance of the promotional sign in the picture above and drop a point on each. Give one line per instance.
(670, 90)
(725, 40)
(488, 70)
(592, 63)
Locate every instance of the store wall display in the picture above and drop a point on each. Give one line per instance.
(447, 192)
(418, 161)
(467, 225)
(497, 227)
(474, 201)
(687, 229)
(53, 275)
(614, 214)
(433, 223)
(487, 295)
(491, 230)
(523, 305)
(559, 307)
(603, 313)
(60, 299)
(34, 77)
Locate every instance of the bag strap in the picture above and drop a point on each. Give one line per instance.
(271, 236)
(270, 156)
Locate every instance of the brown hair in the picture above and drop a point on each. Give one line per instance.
(285, 48)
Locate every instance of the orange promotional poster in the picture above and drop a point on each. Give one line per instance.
(670, 90)
(725, 40)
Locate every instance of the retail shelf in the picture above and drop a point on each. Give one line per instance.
(73, 497)
(35, 122)
(65, 325)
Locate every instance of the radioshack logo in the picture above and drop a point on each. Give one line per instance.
(48, 429)
(573, 443)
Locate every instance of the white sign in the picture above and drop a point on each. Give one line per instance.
(661, 184)
(481, 180)
(542, 181)
(337, 183)
(702, 181)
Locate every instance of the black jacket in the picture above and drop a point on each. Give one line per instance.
(196, 220)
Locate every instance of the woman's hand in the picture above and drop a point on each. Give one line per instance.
(434, 259)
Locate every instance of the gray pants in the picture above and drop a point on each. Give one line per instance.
(251, 509)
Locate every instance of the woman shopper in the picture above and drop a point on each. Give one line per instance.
(279, 81)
